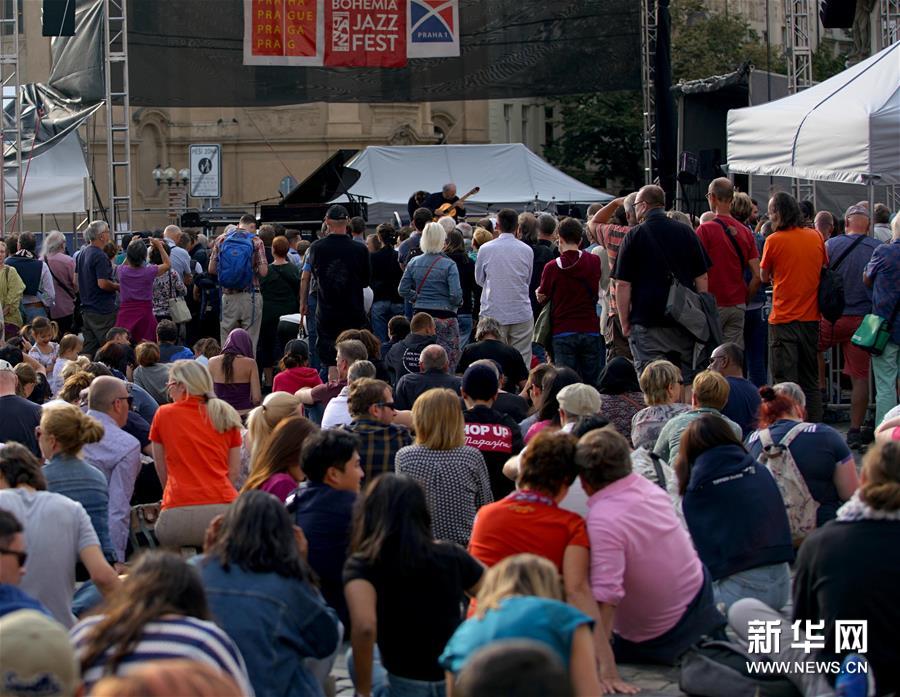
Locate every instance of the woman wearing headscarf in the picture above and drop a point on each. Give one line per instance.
(622, 396)
(235, 373)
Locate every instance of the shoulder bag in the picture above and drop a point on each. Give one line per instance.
(178, 308)
(874, 332)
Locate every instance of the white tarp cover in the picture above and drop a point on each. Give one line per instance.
(845, 129)
(509, 175)
(55, 179)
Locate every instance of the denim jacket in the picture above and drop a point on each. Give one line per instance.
(275, 622)
(79, 481)
(441, 290)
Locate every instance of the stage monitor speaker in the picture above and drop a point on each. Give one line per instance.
(688, 168)
(58, 18)
(710, 163)
(837, 14)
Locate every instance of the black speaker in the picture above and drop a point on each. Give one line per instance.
(837, 14)
(710, 163)
(58, 18)
(688, 168)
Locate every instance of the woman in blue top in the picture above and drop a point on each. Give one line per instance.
(735, 514)
(259, 589)
(431, 283)
(522, 598)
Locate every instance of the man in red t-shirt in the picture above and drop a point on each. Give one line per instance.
(571, 282)
(734, 274)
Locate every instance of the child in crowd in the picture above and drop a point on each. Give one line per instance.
(69, 348)
(44, 350)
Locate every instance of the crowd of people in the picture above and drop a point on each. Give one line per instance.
(500, 458)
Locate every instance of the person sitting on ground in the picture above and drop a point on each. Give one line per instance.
(295, 372)
(205, 349)
(522, 597)
(276, 467)
(260, 590)
(709, 394)
(347, 352)
(661, 384)
(743, 402)
(510, 404)
(336, 412)
(197, 451)
(20, 416)
(69, 348)
(12, 567)
(846, 570)
(323, 508)
(164, 678)
(655, 597)
(453, 475)
(371, 406)
(261, 421)
(404, 356)
(31, 384)
(63, 431)
(735, 514)
(548, 416)
(159, 613)
(170, 348)
(434, 369)
(151, 375)
(42, 332)
(395, 565)
(235, 373)
(489, 345)
(37, 657)
(533, 394)
(495, 435)
(117, 454)
(120, 358)
(621, 394)
(373, 349)
(398, 328)
(59, 534)
(820, 452)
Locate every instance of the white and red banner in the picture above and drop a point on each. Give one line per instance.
(492, 438)
(349, 33)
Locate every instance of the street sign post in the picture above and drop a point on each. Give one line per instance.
(206, 170)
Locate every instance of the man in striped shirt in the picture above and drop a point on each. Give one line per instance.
(609, 235)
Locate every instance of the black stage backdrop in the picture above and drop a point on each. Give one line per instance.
(190, 53)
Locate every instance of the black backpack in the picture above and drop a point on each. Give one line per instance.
(719, 669)
(831, 286)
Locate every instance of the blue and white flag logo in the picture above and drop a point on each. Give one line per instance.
(432, 28)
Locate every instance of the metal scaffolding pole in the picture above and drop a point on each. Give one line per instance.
(799, 17)
(11, 218)
(118, 129)
(648, 77)
(890, 22)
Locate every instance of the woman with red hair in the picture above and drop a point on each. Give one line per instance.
(821, 454)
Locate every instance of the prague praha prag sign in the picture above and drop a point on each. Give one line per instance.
(349, 33)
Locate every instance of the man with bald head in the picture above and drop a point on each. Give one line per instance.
(650, 252)
(117, 454)
(824, 223)
(433, 366)
(181, 260)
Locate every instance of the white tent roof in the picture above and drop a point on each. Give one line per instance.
(845, 129)
(54, 180)
(509, 175)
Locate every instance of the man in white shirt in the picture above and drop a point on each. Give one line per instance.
(337, 413)
(503, 270)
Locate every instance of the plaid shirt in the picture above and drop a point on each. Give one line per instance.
(379, 444)
(259, 258)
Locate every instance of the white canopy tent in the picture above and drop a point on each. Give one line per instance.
(509, 176)
(845, 129)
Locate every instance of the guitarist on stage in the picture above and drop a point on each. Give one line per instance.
(446, 195)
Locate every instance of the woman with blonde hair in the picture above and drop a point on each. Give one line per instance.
(76, 383)
(63, 431)
(431, 283)
(454, 475)
(197, 450)
(260, 424)
(276, 467)
(522, 598)
(661, 385)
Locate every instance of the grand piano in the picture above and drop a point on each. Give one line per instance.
(304, 207)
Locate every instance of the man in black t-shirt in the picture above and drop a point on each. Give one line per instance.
(488, 345)
(341, 269)
(651, 251)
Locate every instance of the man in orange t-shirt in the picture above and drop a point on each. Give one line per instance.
(792, 260)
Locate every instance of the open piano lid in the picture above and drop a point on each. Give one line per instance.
(330, 180)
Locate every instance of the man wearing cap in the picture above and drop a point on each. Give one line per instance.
(37, 657)
(242, 307)
(858, 247)
(496, 435)
(341, 270)
(18, 416)
(575, 401)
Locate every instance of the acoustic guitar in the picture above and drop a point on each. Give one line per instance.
(446, 209)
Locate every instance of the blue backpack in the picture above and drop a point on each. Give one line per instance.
(235, 264)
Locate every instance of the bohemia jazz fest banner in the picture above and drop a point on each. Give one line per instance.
(349, 33)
